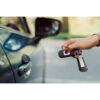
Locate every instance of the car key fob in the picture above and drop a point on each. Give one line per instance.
(75, 52)
(63, 53)
(82, 64)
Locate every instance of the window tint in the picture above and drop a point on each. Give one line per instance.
(5, 68)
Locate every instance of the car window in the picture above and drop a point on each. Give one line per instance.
(5, 67)
(26, 25)
(13, 22)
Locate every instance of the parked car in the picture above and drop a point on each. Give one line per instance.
(19, 54)
(25, 59)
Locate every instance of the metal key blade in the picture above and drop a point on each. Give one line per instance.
(82, 64)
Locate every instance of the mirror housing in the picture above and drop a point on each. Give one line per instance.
(45, 27)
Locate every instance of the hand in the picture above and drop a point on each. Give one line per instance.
(81, 43)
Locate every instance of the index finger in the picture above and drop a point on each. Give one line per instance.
(67, 44)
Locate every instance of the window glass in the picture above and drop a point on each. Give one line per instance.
(26, 25)
(4, 64)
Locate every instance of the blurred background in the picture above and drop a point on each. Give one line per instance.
(71, 26)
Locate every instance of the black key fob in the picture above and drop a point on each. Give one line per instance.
(63, 53)
(80, 60)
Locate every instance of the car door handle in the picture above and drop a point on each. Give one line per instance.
(25, 65)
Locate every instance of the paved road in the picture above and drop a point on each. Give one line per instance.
(65, 70)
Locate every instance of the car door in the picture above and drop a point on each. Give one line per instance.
(31, 71)
(28, 62)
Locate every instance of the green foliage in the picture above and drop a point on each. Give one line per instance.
(65, 36)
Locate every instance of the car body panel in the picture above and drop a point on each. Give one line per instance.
(6, 72)
(15, 59)
(36, 68)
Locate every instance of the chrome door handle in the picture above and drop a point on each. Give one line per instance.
(24, 66)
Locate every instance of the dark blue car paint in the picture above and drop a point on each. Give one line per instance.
(36, 73)
(8, 75)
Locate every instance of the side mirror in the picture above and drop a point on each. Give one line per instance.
(45, 27)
